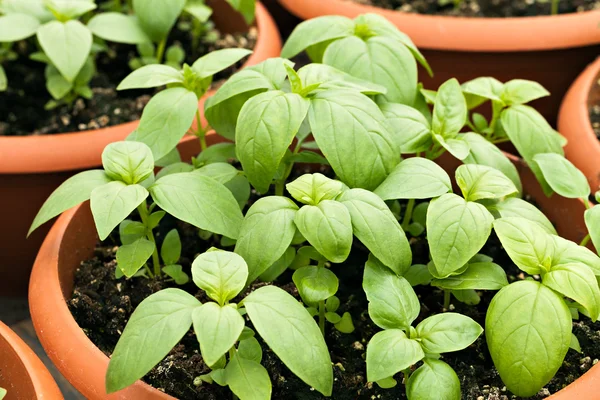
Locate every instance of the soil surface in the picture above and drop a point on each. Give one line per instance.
(102, 305)
(594, 108)
(22, 104)
(484, 8)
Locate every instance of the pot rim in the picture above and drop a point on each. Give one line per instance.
(439, 32)
(55, 152)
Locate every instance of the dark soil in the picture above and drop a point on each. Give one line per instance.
(594, 110)
(22, 105)
(484, 8)
(102, 305)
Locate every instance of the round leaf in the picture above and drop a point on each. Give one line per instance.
(479, 182)
(151, 76)
(390, 352)
(217, 329)
(444, 333)
(129, 162)
(562, 176)
(17, 27)
(315, 284)
(433, 380)
(222, 274)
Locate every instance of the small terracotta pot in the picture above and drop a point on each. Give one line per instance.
(73, 238)
(574, 123)
(551, 50)
(22, 373)
(31, 167)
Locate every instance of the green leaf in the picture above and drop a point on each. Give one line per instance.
(218, 60)
(155, 327)
(483, 152)
(157, 17)
(174, 169)
(562, 176)
(317, 30)
(250, 349)
(313, 188)
(279, 266)
(175, 271)
(35, 8)
(486, 87)
(132, 257)
(198, 10)
(345, 325)
(467, 296)
(128, 162)
(576, 281)
(244, 7)
(411, 130)
(393, 303)
(267, 125)
(292, 334)
(200, 201)
(67, 45)
(415, 178)
(376, 227)
(575, 343)
(530, 134)
(458, 147)
(248, 379)
(353, 135)
(447, 332)
(17, 27)
(328, 77)
(521, 91)
(220, 171)
(220, 152)
(221, 274)
(514, 207)
(592, 222)
(266, 233)
(528, 331)
(58, 86)
(69, 9)
(171, 248)
(390, 352)
(526, 243)
(151, 76)
(480, 276)
(433, 380)
(165, 120)
(217, 329)
(130, 231)
(567, 252)
(112, 203)
(456, 230)
(380, 60)
(418, 274)
(315, 284)
(449, 110)
(118, 27)
(328, 228)
(332, 304)
(3, 79)
(479, 182)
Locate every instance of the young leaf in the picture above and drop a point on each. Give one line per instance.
(317, 30)
(480, 276)
(112, 203)
(245, 7)
(129, 162)
(514, 207)
(592, 221)
(456, 231)
(415, 178)
(576, 281)
(458, 146)
(418, 274)
(218, 60)
(315, 284)
(35, 8)
(221, 274)
(67, 44)
(17, 27)
(219, 171)
(486, 87)
(328, 228)
(165, 119)
(449, 110)
(220, 152)
(376, 227)
(345, 325)
(562, 176)
(174, 169)
(328, 77)
(292, 334)
(411, 130)
(447, 332)
(567, 252)
(521, 91)
(266, 233)
(70, 9)
(155, 327)
(118, 27)
(393, 303)
(130, 231)
(313, 188)
(528, 331)
(200, 201)
(353, 135)
(479, 182)
(433, 380)
(267, 124)
(390, 352)
(467, 296)
(175, 271)
(575, 343)
(132, 257)
(171, 248)
(70, 193)
(3, 79)
(248, 379)
(217, 329)
(250, 349)
(151, 76)
(157, 17)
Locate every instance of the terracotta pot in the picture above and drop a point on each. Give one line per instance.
(574, 123)
(22, 373)
(31, 167)
(549, 49)
(73, 238)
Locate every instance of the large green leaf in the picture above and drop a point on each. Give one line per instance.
(17, 27)
(415, 178)
(328, 77)
(248, 379)
(151, 76)
(562, 176)
(218, 60)
(515, 207)
(155, 327)
(479, 275)
(317, 30)
(390, 352)
(217, 329)
(592, 222)
(576, 281)
(157, 17)
(411, 130)
(447, 332)
(433, 380)
(478, 182)
(221, 274)
(118, 27)
(486, 87)
(521, 91)
(567, 252)
(528, 331)
(290, 331)
(449, 110)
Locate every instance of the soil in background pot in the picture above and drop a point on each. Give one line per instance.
(102, 306)
(594, 107)
(484, 8)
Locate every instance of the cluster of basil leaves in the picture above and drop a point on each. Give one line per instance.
(363, 107)
(68, 46)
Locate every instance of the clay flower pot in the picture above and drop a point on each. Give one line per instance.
(31, 167)
(73, 238)
(574, 123)
(551, 50)
(22, 373)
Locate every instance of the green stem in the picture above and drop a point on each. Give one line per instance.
(587, 203)
(406, 373)
(155, 260)
(118, 6)
(160, 51)
(322, 316)
(471, 126)
(585, 240)
(279, 185)
(554, 7)
(496, 110)
(497, 141)
(408, 214)
(446, 299)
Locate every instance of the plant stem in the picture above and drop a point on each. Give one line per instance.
(554, 7)
(160, 51)
(408, 214)
(585, 240)
(118, 6)
(279, 187)
(406, 373)
(446, 299)
(471, 126)
(587, 203)
(200, 131)
(322, 316)
(155, 260)
(496, 109)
